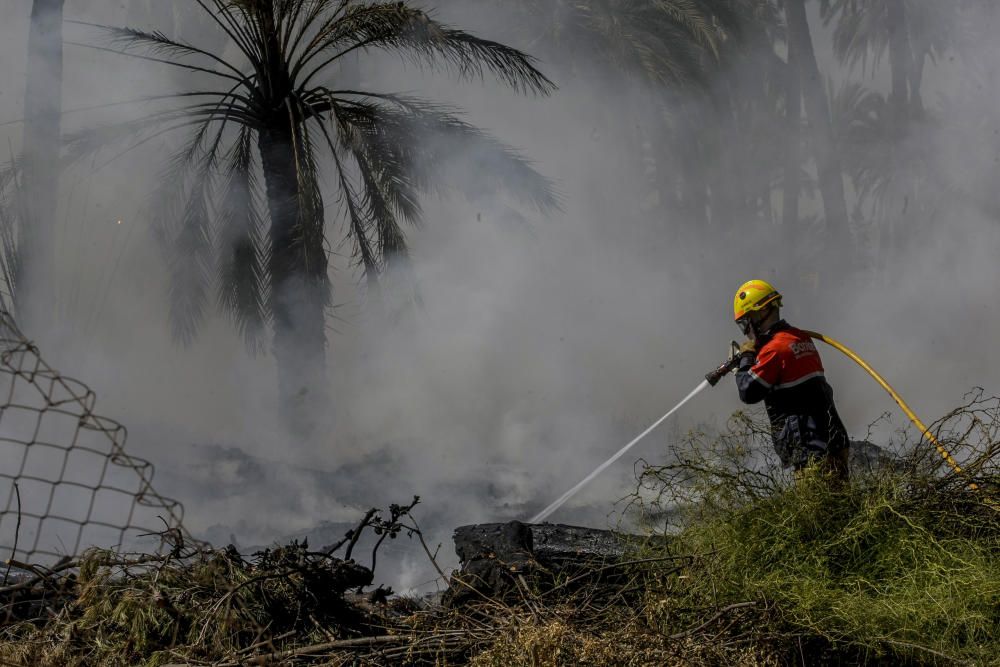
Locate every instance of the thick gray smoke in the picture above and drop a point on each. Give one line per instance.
(542, 344)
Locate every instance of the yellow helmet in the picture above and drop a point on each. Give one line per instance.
(754, 295)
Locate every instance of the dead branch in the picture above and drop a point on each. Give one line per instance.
(719, 614)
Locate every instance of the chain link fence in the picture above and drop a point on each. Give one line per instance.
(66, 482)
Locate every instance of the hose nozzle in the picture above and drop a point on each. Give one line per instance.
(727, 366)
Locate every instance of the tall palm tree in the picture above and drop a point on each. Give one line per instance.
(817, 107)
(899, 186)
(714, 110)
(891, 170)
(266, 123)
(672, 46)
(910, 31)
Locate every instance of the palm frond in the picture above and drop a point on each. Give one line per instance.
(628, 45)
(430, 148)
(394, 173)
(364, 251)
(227, 107)
(189, 262)
(310, 228)
(359, 224)
(692, 17)
(313, 27)
(10, 221)
(182, 224)
(164, 61)
(158, 44)
(9, 173)
(392, 242)
(407, 30)
(362, 212)
(861, 36)
(224, 20)
(247, 18)
(661, 41)
(242, 279)
(861, 123)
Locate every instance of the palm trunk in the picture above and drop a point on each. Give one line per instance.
(680, 172)
(900, 60)
(900, 65)
(793, 125)
(298, 287)
(298, 264)
(694, 193)
(725, 211)
(916, 81)
(42, 112)
(697, 186)
(831, 179)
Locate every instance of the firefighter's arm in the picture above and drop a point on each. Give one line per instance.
(756, 375)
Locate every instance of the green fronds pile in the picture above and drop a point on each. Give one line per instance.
(902, 565)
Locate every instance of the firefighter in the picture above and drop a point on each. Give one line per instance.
(780, 365)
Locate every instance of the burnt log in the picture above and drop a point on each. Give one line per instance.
(496, 556)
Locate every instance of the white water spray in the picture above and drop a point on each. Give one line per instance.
(544, 514)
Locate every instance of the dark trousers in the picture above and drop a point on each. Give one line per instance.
(835, 465)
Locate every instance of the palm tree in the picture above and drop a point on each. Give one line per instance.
(260, 128)
(40, 166)
(673, 46)
(910, 31)
(817, 106)
(892, 173)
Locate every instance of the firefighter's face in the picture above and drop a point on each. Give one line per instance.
(745, 326)
(750, 323)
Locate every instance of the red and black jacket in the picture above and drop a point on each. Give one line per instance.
(787, 374)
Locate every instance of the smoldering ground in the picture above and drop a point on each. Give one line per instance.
(542, 343)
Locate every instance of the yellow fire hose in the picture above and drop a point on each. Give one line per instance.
(945, 454)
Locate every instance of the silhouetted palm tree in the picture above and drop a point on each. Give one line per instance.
(261, 126)
(891, 172)
(910, 31)
(896, 184)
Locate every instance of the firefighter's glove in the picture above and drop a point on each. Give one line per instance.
(747, 350)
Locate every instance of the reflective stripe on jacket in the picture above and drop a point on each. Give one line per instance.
(787, 374)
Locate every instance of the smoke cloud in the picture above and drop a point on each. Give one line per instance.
(542, 343)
